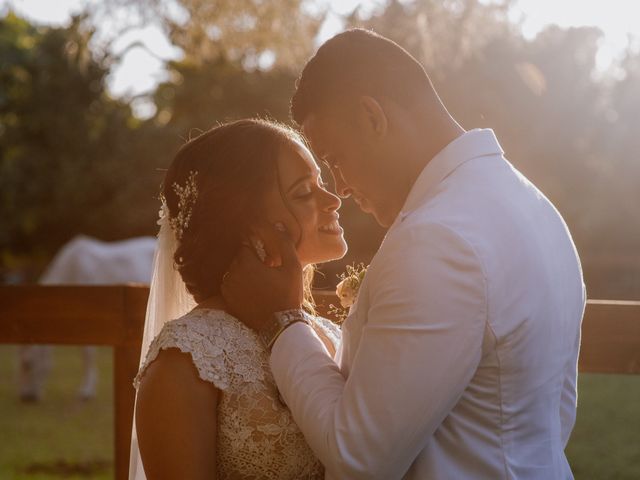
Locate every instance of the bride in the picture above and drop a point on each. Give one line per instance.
(207, 406)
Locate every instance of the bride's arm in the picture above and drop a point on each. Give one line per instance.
(176, 419)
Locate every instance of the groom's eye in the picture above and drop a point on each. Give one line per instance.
(330, 162)
(322, 184)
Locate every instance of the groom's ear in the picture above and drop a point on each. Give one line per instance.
(374, 115)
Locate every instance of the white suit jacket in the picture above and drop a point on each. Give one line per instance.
(459, 358)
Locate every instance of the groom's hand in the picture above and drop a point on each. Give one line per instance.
(253, 291)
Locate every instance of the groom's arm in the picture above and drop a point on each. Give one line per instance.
(420, 347)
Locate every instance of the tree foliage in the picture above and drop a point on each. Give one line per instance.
(246, 32)
(74, 160)
(69, 154)
(199, 95)
(569, 129)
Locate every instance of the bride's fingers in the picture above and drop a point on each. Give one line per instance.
(243, 265)
(287, 249)
(245, 259)
(248, 257)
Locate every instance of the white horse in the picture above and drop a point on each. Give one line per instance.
(84, 261)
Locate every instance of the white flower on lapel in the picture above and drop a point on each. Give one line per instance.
(347, 290)
(346, 293)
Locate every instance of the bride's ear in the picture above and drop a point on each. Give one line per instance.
(374, 116)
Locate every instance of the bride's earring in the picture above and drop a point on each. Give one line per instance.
(258, 246)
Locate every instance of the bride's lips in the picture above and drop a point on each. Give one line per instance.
(331, 228)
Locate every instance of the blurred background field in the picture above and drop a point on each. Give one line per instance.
(62, 437)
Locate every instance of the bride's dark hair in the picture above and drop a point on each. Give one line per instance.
(236, 164)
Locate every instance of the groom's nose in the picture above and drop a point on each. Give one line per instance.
(342, 189)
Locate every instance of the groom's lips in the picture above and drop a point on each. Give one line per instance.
(361, 202)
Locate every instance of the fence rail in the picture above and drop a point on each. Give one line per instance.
(114, 316)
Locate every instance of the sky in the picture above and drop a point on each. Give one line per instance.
(141, 70)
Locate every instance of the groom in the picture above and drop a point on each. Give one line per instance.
(459, 358)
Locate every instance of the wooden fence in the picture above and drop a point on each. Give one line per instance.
(105, 315)
(114, 316)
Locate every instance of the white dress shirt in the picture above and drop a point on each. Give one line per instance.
(459, 358)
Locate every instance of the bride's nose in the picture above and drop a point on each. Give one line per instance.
(330, 201)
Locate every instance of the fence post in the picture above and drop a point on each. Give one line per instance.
(125, 366)
(126, 358)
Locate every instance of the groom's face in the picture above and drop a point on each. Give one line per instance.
(339, 145)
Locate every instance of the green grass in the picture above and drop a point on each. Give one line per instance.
(63, 435)
(605, 443)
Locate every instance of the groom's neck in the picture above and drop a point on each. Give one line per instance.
(436, 130)
(417, 136)
(425, 141)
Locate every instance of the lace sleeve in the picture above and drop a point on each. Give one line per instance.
(330, 329)
(212, 343)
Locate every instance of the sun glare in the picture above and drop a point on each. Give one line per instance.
(142, 67)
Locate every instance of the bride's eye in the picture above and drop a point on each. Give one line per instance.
(304, 192)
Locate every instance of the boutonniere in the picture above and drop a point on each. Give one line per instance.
(347, 290)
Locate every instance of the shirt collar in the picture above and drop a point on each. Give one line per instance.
(472, 144)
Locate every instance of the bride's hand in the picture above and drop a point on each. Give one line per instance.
(253, 291)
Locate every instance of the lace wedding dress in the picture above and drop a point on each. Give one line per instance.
(257, 437)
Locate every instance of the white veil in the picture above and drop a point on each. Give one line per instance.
(168, 299)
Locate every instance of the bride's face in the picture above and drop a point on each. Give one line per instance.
(311, 212)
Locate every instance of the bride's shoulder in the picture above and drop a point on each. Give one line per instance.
(216, 342)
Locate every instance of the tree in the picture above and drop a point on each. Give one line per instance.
(69, 155)
(199, 95)
(442, 35)
(569, 130)
(252, 33)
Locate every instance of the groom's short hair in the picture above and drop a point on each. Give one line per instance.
(359, 62)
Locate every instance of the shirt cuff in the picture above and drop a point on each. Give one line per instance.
(291, 336)
(292, 350)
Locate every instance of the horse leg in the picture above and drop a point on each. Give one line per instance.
(34, 363)
(90, 373)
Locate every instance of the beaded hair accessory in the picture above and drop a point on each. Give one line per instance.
(187, 196)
